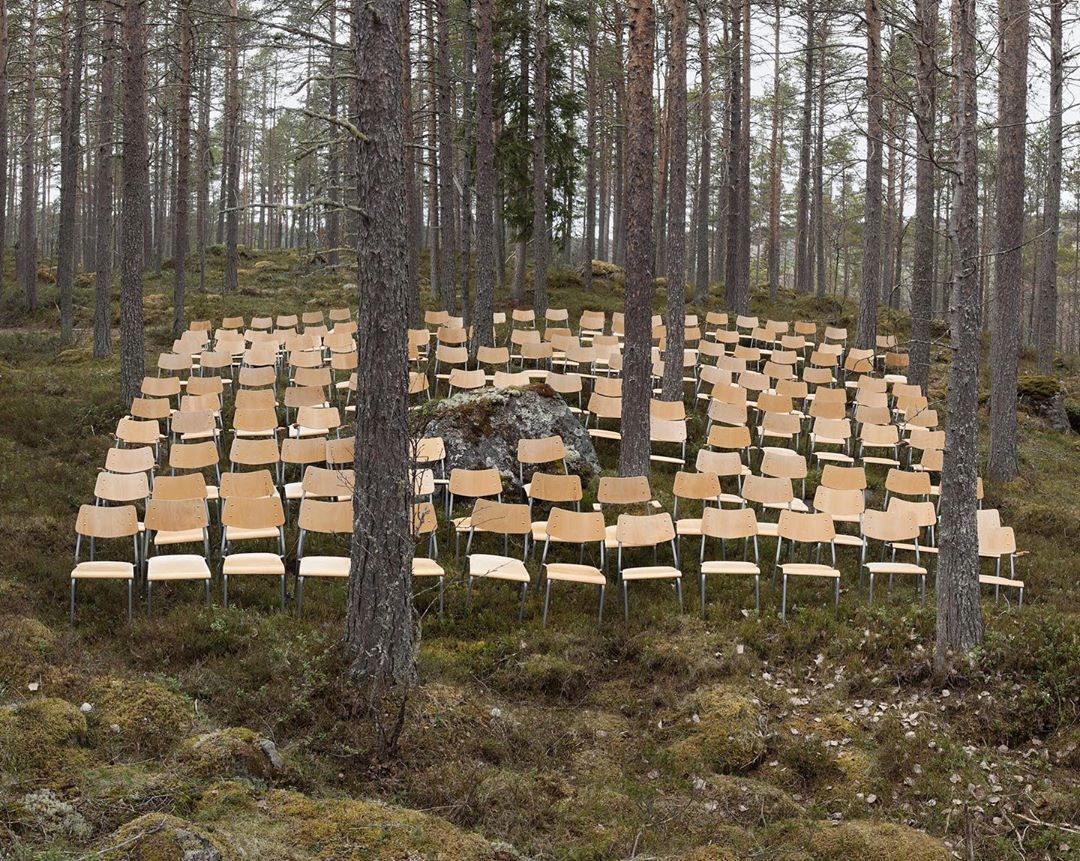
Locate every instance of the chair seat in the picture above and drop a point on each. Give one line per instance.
(652, 572)
(424, 567)
(498, 568)
(183, 536)
(257, 433)
(688, 526)
(610, 542)
(799, 569)
(881, 461)
(294, 490)
(238, 533)
(462, 524)
(268, 564)
(795, 505)
(599, 433)
(911, 548)
(724, 567)
(324, 566)
(895, 568)
(732, 498)
(848, 540)
(575, 573)
(103, 571)
(180, 566)
(664, 458)
(833, 457)
(299, 432)
(993, 580)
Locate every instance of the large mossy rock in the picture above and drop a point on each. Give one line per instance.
(160, 837)
(1043, 397)
(481, 429)
(727, 735)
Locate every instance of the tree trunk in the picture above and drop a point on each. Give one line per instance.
(182, 199)
(804, 245)
(103, 190)
(1003, 460)
(676, 221)
(447, 233)
(959, 613)
(333, 166)
(70, 114)
(922, 263)
(773, 255)
(1047, 280)
(870, 295)
(618, 242)
(819, 167)
(133, 200)
(637, 356)
(701, 274)
(742, 280)
(231, 165)
(4, 178)
(540, 221)
(485, 175)
(202, 204)
(734, 159)
(379, 619)
(412, 190)
(590, 149)
(26, 260)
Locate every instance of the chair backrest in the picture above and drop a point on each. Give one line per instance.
(451, 355)
(997, 542)
(879, 435)
(107, 521)
(696, 485)
(832, 429)
(429, 449)
(719, 463)
(318, 515)
(176, 515)
(258, 377)
(729, 523)
(729, 438)
(792, 388)
(767, 491)
(318, 481)
(320, 377)
(191, 403)
(672, 411)
(258, 512)
(604, 407)
(502, 518)
(823, 408)
(564, 384)
(193, 422)
(206, 386)
(541, 450)
(805, 528)
(189, 486)
(247, 485)
(259, 420)
(340, 451)
(780, 463)
(907, 483)
(131, 459)
(137, 432)
(517, 379)
(839, 503)
(475, 482)
(318, 418)
(623, 490)
(925, 513)
(552, 487)
(254, 452)
(423, 481)
(303, 451)
(667, 431)
(575, 527)
(867, 415)
(644, 530)
(463, 379)
(150, 408)
(121, 486)
(424, 518)
(890, 525)
(609, 387)
(988, 518)
(492, 355)
(843, 477)
(255, 399)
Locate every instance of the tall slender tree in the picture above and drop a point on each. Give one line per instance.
(539, 200)
(444, 101)
(231, 165)
(1003, 458)
(379, 618)
(773, 252)
(804, 245)
(182, 194)
(485, 174)
(70, 114)
(676, 221)
(26, 260)
(135, 192)
(590, 148)
(701, 269)
(103, 188)
(1047, 280)
(637, 357)
(959, 613)
(870, 295)
(4, 179)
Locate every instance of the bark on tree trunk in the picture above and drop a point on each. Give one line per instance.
(182, 199)
(959, 613)
(1003, 460)
(590, 150)
(804, 245)
(4, 178)
(701, 286)
(71, 113)
(26, 260)
(676, 221)
(637, 356)
(379, 619)
(103, 190)
(734, 158)
(1047, 281)
(819, 167)
(231, 166)
(202, 213)
(485, 175)
(133, 200)
(922, 264)
(540, 221)
(773, 255)
(870, 294)
(447, 232)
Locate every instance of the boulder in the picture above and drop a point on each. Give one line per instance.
(232, 752)
(136, 717)
(481, 429)
(1043, 397)
(160, 837)
(727, 735)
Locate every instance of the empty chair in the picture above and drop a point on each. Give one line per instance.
(995, 542)
(157, 409)
(606, 409)
(831, 432)
(731, 525)
(248, 519)
(900, 482)
(315, 421)
(105, 523)
(177, 521)
(771, 494)
(890, 528)
(425, 521)
(567, 385)
(700, 487)
(255, 423)
(471, 484)
(325, 518)
(782, 463)
(640, 531)
(540, 452)
(879, 438)
(810, 529)
(574, 527)
(843, 506)
(732, 438)
(256, 453)
(553, 489)
(508, 520)
(723, 464)
(668, 433)
(300, 453)
(118, 488)
(465, 381)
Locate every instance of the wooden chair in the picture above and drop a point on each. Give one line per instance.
(699, 487)
(843, 506)
(731, 525)
(650, 530)
(104, 523)
(325, 518)
(540, 452)
(425, 521)
(176, 521)
(315, 421)
(891, 528)
(899, 482)
(831, 432)
(256, 453)
(471, 484)
(770, 494)
(118, 488)
(602, 408)
(669, 433)
(882, 438)
(811, 529)
(506, 519)
(247, 519)
(723, 464)
(128, 460)
(996, 542)
(581, 528)
(299, 453)
(552, 489)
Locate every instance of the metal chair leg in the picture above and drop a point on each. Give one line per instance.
(871, 587)
(625, 603)
(130, 585)
(299, 595)
(524, 594)
(757, 593)
(547, 599)
(600, 613)
(71, 611)
(283, 592)
(206, 589)
(701, 578)
(783, 602)
(225, 589)
(678, 591)
(442, 590)
(468, 596)
(149, 596)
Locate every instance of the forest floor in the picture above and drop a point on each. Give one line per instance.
(727, 737)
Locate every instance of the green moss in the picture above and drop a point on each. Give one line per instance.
(40, 736)
(1037, 388)
(863, 839)
(232, 752)
(160, 837)
(727, 735)
(25, 647)
(135, 717)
